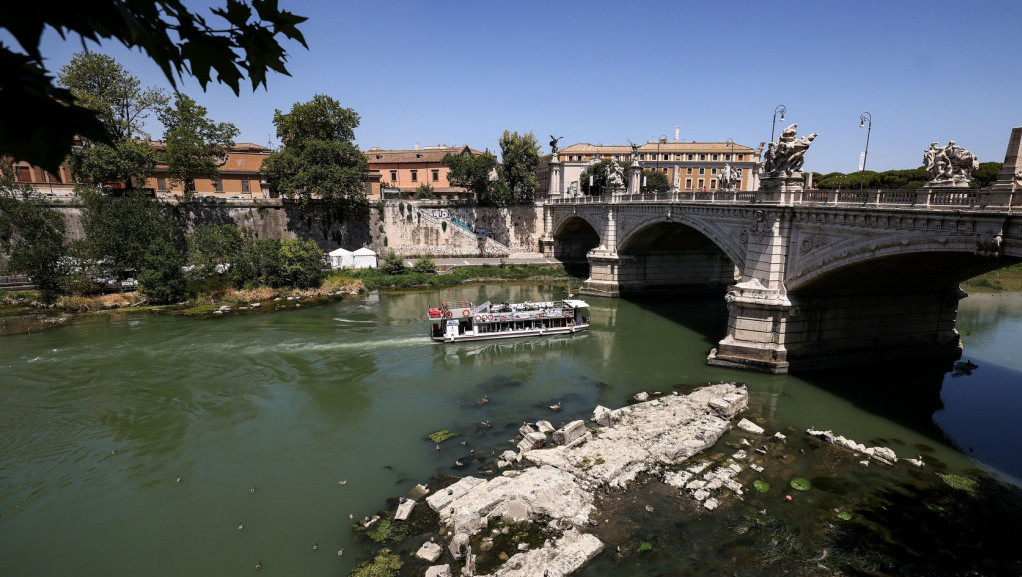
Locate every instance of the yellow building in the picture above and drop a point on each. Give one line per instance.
(689, 166)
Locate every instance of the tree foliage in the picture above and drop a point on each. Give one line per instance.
(160, 277)
(516, 175)
(196, 146)
(100, 83)
(128, 161)
(31, 233)
(319, 158)
(241, 38)
(210, 245)
(472, 171)
(392, 264)
(912, 178)
(655, 181)
(120, 230)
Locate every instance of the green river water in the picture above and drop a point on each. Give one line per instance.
(100, 418)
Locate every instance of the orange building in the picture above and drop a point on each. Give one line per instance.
(239, 175)
(406, 170)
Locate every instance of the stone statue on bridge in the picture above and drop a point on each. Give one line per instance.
(553, 145)
(950, 165)
(728, 178)
(786, 156)
(615, 176)
(635, 153)
(1016, 181)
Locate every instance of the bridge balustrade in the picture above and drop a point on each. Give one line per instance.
(921, 198)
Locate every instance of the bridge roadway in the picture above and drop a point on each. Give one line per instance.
(812, 279)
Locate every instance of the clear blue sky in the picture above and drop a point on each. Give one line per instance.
(458, 72)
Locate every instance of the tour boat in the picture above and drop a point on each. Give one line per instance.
(463, 321)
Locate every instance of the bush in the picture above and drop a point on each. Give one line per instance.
(301, 264)
(392, 264)
(425, 265)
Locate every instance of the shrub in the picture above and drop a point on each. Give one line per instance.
(161, 278)
(392, 264)
(425, 265)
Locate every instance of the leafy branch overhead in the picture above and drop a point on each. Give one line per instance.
(238, 40)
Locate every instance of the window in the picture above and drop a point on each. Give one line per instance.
(393, 176)
(218, 185)
(741, 157)
(713, 183)
(702, 157)
(435, 174)
(688, 171)
(713, 171)
(415, 176)
(161, 184)
(688, 183)
(727, 157)
(715, 156)
(667, 157)
(691, 157)
(244, 187)
(701, 183)
(22, 174)
(702, 171)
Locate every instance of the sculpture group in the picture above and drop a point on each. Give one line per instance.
(786, 156)
(949, 165)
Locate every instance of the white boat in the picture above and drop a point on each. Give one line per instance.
(463, 321)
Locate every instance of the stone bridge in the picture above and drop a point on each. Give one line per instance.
(812, 279)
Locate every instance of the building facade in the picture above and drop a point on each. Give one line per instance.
(239, 176)
(689, 166)
(407, 170)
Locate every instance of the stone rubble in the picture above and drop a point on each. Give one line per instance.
(560, 480)
(884, 455)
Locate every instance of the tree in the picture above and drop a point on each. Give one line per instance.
(258, 264)
(425, 265)
(655, 181)
(424, 192)
(516, 176)
(119, 231)
(210, 245)
(472, 171)
(242, 40)
(986, 175)
(31, 234)
(301, 263)
(100, 83)
(195, 145)
(319, 158)
(160, 277)
(392, 264)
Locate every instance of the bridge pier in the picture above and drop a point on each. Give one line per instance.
(758, 326)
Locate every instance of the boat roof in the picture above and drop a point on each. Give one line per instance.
(575, 303)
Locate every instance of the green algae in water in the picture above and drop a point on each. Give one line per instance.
(800, 484)
(385, 564)
(441, 436)
(960, 482)
(761, 486)
(645, 546)
(844, 516)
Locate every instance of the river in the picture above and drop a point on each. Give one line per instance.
(137, 444)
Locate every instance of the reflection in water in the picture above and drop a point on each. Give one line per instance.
(292, 402)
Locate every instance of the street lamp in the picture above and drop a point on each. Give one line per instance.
(865, 120)
(780, 108)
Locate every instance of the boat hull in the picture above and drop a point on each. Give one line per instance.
(512, 334)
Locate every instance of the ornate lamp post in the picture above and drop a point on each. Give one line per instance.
(865, 120)
(780, 108)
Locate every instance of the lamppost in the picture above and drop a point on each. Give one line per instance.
(780, 108)
(865, 120)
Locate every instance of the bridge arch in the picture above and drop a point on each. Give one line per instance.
(673, 254)
(574, 236)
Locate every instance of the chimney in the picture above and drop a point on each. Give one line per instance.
(677, 133)
(416, 146)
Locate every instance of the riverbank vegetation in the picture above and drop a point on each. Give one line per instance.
(1007, 279)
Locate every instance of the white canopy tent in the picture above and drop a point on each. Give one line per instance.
(341, 258)
(365, 258)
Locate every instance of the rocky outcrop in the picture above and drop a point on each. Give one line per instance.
(884, 455)
(558, 481)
